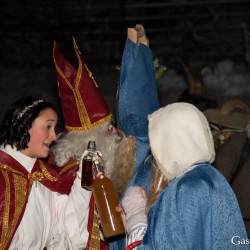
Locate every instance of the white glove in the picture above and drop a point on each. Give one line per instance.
(134, 206)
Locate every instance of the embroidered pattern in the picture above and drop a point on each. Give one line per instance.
(6, 211)
(20, 191)
(46, 173)
(71, 165)
(83, 115)
(95, 235)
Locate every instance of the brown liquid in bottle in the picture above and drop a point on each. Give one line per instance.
(106, 202)
(87, 176)
(87, 165)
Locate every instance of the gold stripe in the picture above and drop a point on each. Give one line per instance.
(46, 172)
(6, 210)
(83, 115)
(70, 87)
(95, 234)
(8, 168)
(80, 106)
(81, 109)
(67, 82)
(91, 125)
(20, 198)
(78, 52)
(73, 164)
(90, 75)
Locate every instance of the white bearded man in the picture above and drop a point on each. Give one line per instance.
(87, 118)
(113, 147)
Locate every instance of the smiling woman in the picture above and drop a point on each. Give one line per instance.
(42, 134)
(49, 206)
(26, 117)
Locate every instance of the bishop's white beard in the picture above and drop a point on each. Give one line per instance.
(73, 144)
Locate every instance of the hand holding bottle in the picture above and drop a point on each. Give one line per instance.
(134, 207)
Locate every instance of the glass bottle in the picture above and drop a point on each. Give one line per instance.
(106, 202)
(87, 165)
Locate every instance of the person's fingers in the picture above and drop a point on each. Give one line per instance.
(119, 209)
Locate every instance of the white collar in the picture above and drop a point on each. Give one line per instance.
(26, 161)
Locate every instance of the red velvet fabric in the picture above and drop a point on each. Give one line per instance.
(81, 100)
(14, 197)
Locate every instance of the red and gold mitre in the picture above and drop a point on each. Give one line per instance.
(83, 105)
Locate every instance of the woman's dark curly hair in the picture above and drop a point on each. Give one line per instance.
(17, 121)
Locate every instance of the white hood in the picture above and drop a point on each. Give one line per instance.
(179, 137)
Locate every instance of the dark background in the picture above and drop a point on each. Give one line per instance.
(201, 32)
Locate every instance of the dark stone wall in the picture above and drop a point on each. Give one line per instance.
(201, 32)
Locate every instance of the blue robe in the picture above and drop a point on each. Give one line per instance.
(141, 177)
(192, 211)
(137, 97)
